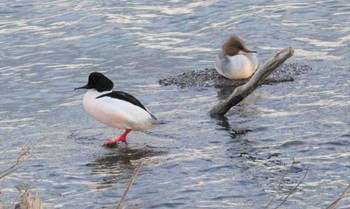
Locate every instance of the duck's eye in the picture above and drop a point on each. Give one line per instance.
(240, 47)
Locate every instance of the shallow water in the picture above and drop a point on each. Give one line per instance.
(48, 48)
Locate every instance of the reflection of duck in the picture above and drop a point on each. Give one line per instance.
(115, 108)
(236, 61)
(232, 129)
(112, 165)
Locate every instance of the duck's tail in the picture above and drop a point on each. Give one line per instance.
(159, 122)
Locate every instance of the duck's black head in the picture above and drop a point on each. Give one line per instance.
(99, 82)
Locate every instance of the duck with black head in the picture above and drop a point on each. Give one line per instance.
(117, 109)
(236, 61)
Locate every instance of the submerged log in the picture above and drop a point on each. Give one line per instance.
(255, 81)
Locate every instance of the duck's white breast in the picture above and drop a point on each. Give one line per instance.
(117, 113)
(240, 66)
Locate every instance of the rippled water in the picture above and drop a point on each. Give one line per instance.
(48, 48)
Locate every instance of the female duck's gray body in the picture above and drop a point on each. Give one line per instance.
(235, 61)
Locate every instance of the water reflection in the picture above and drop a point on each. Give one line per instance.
(118, 161)
(47, 47)
(230, 128)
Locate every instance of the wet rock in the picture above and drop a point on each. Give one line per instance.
(210, 78)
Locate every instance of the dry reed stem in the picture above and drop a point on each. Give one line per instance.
(335, 203)
(280, 182)
(291, 191)
(136, 171)
(19, 161)
(29, 202)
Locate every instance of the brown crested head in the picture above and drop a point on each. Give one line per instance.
(234, 45)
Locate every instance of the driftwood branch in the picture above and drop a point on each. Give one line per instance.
(255, 81)
(136, 171)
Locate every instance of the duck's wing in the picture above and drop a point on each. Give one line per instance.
(222, 63)
(123, 96)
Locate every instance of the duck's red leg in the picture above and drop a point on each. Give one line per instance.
(120, 138)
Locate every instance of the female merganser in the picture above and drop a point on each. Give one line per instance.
(236, 61)
(115, 108)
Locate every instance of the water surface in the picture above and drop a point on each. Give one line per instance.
(48, 48)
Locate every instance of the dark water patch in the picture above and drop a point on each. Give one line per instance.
(53, 174)
(217, 168)
(270, 155)
(38, 166)
(258, 129)
(292, 144)
(224, 197)
(251, 157)
(167, 205)
(295, 169)
(346, 136)
(189, 191)
(215, 142)
(274, 162)
(171, 166)
(337, 143)
(61, 187)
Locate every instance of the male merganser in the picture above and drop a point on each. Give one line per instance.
(115, 108)
(236, 61)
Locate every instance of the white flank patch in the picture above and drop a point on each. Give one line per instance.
(117, 113)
